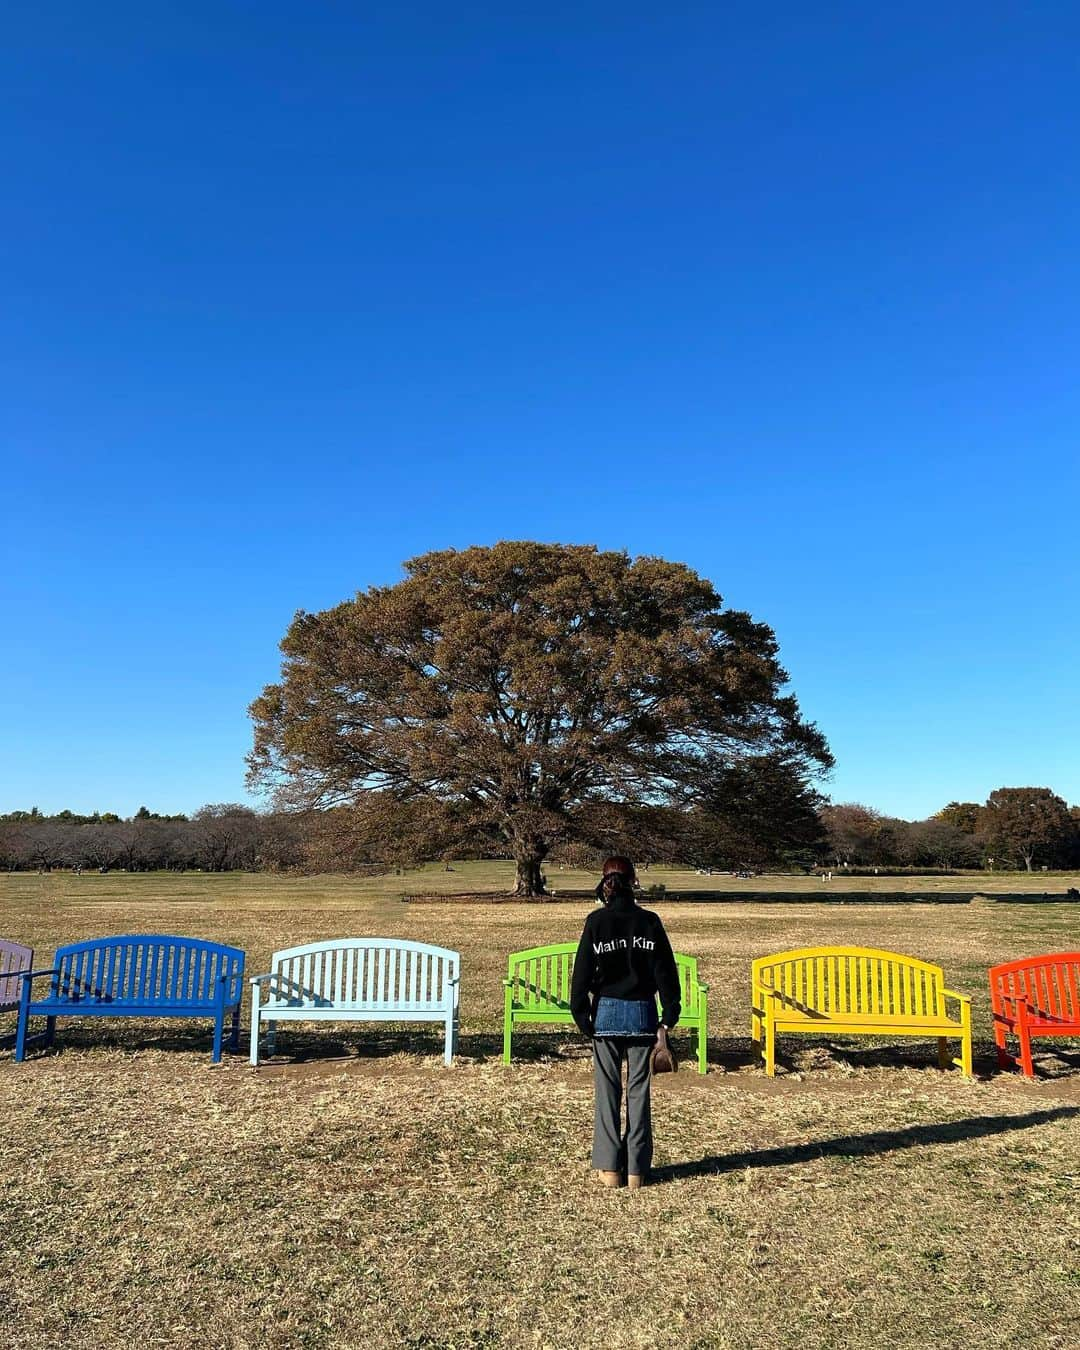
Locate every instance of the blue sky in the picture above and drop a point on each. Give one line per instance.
(293, 292)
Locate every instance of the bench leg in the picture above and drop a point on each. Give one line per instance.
(702, 1050)
(448, 1050)
(21, 1028)
(253, 1056)
(944, 1059)
(770, 1047)
(219, 1032)
(1027, 1065)
(508, 1036)
(757, 1030)
(1004, 1059)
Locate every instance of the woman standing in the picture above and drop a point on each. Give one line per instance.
(623, 961)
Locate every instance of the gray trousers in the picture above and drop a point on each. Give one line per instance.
(613, 1150)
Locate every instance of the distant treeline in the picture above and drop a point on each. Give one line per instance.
(1018, 828)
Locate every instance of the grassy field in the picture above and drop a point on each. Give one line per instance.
(354, 1192)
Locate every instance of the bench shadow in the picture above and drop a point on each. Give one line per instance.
(860, 1145)
(86, 1036)
(902, 1054)
(365, 1044)
(1052, 1063)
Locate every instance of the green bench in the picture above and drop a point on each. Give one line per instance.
(536, 992)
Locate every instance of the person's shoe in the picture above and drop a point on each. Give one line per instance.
(635, 1182)
(610, 1179)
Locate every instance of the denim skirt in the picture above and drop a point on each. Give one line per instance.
(625, 1017)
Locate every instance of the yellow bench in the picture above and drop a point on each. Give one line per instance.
(855, 991)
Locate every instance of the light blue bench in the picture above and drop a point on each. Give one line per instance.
(357, 980)
(151, 975)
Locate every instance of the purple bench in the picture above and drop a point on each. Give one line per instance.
(14, 959)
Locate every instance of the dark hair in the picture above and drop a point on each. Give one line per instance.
(617, 880)
(618, 862)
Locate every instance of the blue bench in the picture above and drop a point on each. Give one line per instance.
(145, 975)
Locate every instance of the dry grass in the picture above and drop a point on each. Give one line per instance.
(355, 1192)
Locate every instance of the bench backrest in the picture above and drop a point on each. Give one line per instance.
(861, 981)
(540, 979)
(155, 970)
(13, 959)
(1049, 983)
(366, 973)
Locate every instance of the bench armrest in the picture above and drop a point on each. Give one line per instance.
(703, 988)
(508, 984)
(35, 974)
(960, 998)
(260, 980)
(453, 979)
(1022, 1008)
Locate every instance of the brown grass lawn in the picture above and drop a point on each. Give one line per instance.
(356, 1193)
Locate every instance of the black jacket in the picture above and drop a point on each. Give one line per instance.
(624, 953)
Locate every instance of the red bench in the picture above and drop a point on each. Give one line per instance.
(1037, 996)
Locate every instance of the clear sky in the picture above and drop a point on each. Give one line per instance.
(295, 291)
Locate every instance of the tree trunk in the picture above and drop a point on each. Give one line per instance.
(529, 855)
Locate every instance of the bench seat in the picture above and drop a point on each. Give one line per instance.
(856, 1023)
(357, 980)
(855, 991)
(368, 1012)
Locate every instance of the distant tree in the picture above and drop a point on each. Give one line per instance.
(225, 836)
(1030, 823)
(47, 845)
(762, 810)
(966, 816)
(936, 843)
(501, 689)
(98, 845)
(852, 831)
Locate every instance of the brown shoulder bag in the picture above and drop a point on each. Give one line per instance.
(663, 1059)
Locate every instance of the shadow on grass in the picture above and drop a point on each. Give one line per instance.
(1058, 1061)
(477, 1048)
(369, 1041)
(862, 1145)
(360, 1041)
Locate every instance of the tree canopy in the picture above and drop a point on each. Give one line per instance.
(501, 693)
(1031, 824)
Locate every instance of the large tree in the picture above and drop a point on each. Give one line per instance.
(502, 690)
